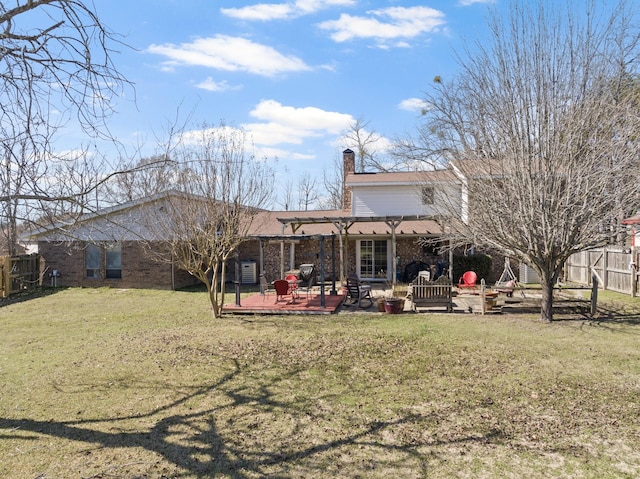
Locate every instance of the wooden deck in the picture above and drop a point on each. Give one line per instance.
(259, 304)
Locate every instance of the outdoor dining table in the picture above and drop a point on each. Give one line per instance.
(293, 289)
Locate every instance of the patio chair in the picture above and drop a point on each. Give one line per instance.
(468, 280)
(357, 291)
(310, 284)
(282, 288)
(265, 290)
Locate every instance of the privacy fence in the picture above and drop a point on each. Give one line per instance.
(18, 273)
(615, 268)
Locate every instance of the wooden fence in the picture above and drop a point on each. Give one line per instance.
(615, 268)
(18, 273)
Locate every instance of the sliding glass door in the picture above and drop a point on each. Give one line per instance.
(373, 259)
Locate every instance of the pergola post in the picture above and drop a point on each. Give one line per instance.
(282, 253)
(322, 298)
(333, 265)
(261, 258)
(450, 261)
(343, 229)
(292, 256)
(394, 268)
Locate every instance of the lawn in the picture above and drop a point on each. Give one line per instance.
(146, 384)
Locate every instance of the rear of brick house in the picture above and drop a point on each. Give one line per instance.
(113, 249)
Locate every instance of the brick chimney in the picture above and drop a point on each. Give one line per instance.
(348, 167)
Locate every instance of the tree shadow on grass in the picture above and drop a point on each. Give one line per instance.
(606, 312)
(29, 295)
(202, 444)
(579, 309)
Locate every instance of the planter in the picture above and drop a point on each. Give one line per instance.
(393, 305)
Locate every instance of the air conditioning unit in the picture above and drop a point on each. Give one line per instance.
(528, 274)
(248, 272)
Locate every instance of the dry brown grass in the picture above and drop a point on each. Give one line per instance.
(145, 384)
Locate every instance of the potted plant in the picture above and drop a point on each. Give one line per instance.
(393, 305)
(393, 301)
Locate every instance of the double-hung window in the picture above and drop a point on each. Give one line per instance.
(93, 263)
(113, 261)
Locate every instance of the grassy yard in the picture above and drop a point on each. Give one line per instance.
(145, 384)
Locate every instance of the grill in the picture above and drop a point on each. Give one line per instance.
(307, 271)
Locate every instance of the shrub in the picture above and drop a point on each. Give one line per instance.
(480, 263)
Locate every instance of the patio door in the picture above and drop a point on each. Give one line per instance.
(373, 260)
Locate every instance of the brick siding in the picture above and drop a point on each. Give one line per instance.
(139, 270)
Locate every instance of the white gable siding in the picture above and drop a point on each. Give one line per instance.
(397, 200)
(386, 200)
(129, 225)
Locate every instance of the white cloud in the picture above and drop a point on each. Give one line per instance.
(211, 85)
(312, 6)
(386, 24)
(466, 3)
(286, 125)
(279, 153)
(303, 119)
(413, 104)
(280, 11)
(279, 125)
(223, 52)
(260, 11)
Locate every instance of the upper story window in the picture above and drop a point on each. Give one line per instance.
(427, 195)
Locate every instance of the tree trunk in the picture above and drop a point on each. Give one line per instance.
(547, 282)
(215, 308)
(213, 294)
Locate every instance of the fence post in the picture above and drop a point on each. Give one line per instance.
(633, 266)
(594, 294)
(5, 281)
(605, 268)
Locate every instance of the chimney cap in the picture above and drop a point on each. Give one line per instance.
(348, 151)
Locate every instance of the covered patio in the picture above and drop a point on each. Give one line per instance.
(329, 297)
(422, 225)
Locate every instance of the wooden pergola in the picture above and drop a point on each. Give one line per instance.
(343, 224)
(319, 237)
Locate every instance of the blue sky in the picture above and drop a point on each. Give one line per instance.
(293, 74)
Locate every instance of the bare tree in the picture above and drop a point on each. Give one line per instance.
(541, 124)
(333, 179)
(62, 64)
(364, 143)
(222, 188)
(147, 177)
(307, 192)
(285, 200)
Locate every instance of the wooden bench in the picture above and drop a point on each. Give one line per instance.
(425, 293)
